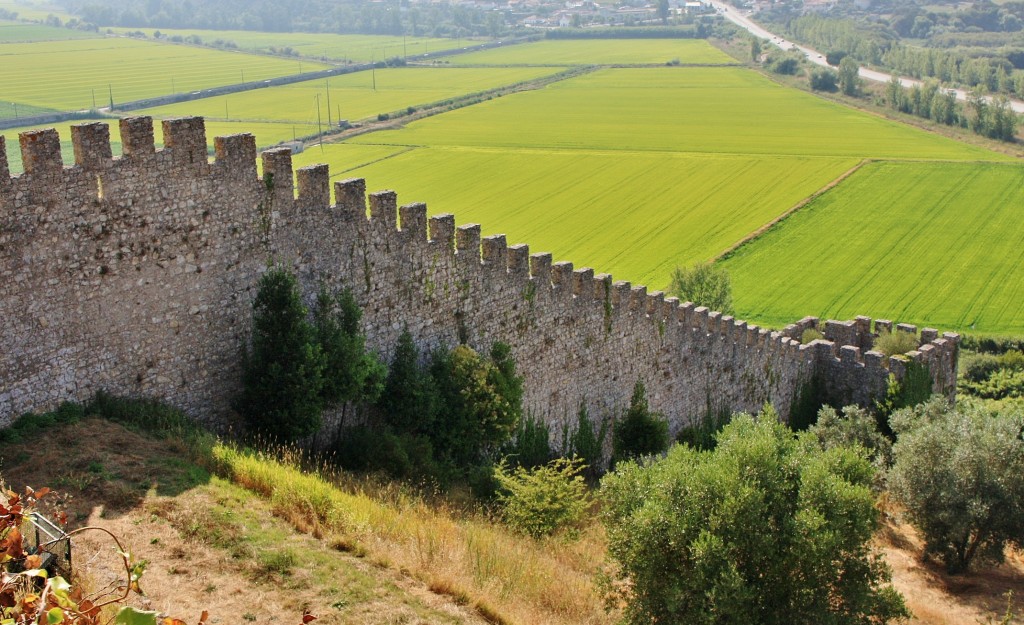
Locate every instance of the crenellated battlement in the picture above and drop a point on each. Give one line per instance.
(135, 273)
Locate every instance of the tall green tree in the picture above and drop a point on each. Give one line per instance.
(282, 371)
(409, 402)
(768, 528)
(849, 80)
(474, 418)
(351, 374)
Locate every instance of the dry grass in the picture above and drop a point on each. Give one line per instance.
(507, 578)
(937, 598)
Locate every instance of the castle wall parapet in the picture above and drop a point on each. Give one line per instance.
(136, 274)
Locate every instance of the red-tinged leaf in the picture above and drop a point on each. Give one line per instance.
(205, 616)
(42, 492)
(61, 518)
(307, 617)
(33, 562)
(11, 544)
(88, 608)
(172, 621)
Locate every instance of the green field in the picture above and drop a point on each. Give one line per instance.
(67, 75)
(721, 110)
(352, 96)
(325, 46)
(937, 244)
(600, 52)
(11, 32)
(634, 215)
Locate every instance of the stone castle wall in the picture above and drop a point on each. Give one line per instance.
(136, 275)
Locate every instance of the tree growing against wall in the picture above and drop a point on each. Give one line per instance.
(409, 402)
(704, 284)
(351, 374)
(640, 432)
(282, 370)
(768, 528)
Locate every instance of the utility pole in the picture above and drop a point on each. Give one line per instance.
(226, 116)
(319, 131)
(405, 51)
(329, 125)
(93, 100)
(110, 90)
(373, 70)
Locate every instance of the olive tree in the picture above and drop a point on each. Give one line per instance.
(767, 528)
(957, 471)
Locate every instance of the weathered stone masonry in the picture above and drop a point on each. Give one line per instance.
(136, 275)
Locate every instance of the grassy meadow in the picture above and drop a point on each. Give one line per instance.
(65, 75)
(714, 110)
(352, 96)
(935, 244)
(323, 46)
(34, 11)
(600, 52)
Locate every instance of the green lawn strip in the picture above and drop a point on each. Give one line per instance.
(926, 243)
(68, 75)
(599, 52)
(635, 215)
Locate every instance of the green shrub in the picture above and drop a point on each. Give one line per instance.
(587, 443)
(809, 335)
(405, 455)
(704, 284)
(544, 500)
(148, 415)
(351, 374)
(531, 445)
(824, 79)
(957, 471)
(768, 528)
(476, 416)
(852, 426)
(30, 424)
(640, 432)
(703, 435)
(895, 343)
(915, 388)
(991, 376)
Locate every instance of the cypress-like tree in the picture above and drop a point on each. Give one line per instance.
(351, 374)
(408, 403)
(640, 432)
(282, 372)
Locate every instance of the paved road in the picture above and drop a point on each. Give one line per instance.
(741, 20)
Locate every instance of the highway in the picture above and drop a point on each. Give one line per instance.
(814, 56)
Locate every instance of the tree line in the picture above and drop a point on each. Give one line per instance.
(352, 16)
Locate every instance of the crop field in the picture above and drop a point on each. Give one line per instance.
(352, 96)
(600, 52)
(679, 208)
(926, 243)
(68, 75)
(722, 110)
(11, 32)
(325, 46)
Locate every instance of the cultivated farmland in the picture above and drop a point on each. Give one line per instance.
(352, 96)
(635, 215)
(722, 110)
(327, 46)
(67, 75)
(600, 52)
(927, 243)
